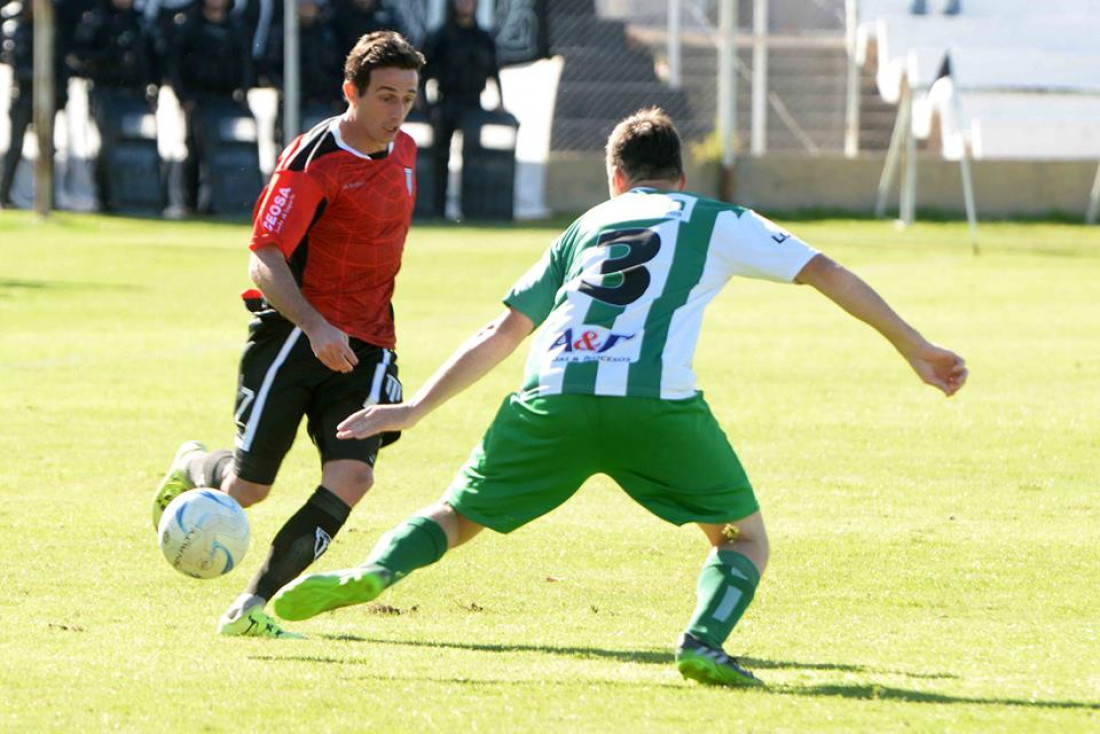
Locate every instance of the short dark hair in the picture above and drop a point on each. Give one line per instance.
(646, 147)
(380, 50)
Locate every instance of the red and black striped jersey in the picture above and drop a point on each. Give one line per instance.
(340, 218)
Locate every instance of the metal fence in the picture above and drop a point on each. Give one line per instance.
(782, 88)
(789, 70)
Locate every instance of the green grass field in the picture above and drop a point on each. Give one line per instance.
(935, 567)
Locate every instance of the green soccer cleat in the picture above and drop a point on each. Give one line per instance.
(701, 662)
(310, 595)
(176, 481)
(254, 622)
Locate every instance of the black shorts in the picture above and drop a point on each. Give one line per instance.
(281, 380)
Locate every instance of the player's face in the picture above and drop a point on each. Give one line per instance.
(380, 111)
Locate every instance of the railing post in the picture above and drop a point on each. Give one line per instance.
(43, 101)
(675, 11)
(851, 130)
(292, 107)
(759, 77)
(727, 79)
(1094, 200)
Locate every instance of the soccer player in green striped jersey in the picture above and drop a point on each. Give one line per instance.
(618, 302)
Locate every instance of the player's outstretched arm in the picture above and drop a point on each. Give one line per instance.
(272, 275)
(477, 356)
(935, 365)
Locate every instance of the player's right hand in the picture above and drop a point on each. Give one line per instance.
(331, 346)
(377, 419)
(939, 367)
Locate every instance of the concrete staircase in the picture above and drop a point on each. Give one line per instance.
(609, 73)
(876, 117)
(605, 77)
(810, 85)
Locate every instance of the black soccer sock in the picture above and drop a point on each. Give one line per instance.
(300, 542)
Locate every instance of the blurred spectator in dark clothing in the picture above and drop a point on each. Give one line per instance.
(212, 58)
(67, 16)
(212, 72)
(263, 23)
(321, 65)
(112, 48)
(320, 58)
(461, 58)
(164, 19)
(115, 53)
(17, 50)
(355, 18)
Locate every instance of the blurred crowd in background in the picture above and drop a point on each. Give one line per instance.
(210, 53)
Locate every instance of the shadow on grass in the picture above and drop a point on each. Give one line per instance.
(493, 682)
(762, 664)
(648, 657)
(871, 692)
(863, 692)
(645, 657)
(41, 285)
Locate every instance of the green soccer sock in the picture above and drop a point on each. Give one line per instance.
(725, 590)
(415, 543)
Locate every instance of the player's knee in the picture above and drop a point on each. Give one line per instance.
(348, 480)
(755, 544)
(361, 479)
(747, 537)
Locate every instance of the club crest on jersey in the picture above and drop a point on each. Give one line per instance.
(409, 180)
(588, 343)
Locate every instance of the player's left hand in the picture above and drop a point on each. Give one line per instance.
(377, 419)
(332, 347)
(941, 368)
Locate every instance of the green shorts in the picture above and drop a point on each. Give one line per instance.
(670, 456)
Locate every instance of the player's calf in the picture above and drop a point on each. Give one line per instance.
(245, 492)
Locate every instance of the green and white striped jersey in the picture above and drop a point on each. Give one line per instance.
(620, 294)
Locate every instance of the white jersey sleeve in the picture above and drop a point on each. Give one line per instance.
(753, 246)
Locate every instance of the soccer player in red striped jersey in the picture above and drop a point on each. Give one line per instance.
(327, 237)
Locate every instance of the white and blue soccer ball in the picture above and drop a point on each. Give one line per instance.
(204, 533)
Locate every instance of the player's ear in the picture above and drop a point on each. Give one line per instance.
(616, 181)
(351, 94)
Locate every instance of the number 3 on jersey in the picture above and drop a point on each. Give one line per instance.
(624, 277)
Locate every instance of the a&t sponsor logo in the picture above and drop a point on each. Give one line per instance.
(588, 343)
